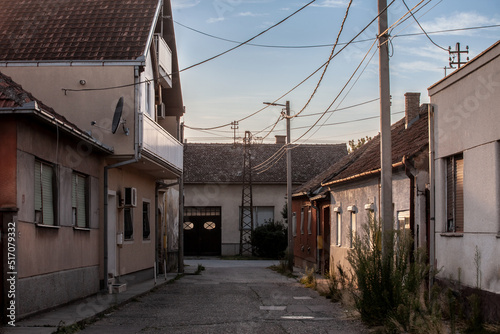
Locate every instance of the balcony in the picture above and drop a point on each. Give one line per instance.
(160, 146)
(164, 56)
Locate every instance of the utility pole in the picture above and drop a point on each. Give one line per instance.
(288, 183)
(289, 188)
(458, 53)
(234, 126)
(246, 218)
(385, 128)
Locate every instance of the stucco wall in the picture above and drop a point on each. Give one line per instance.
(228, 197)
(137, 253)
(359, 193)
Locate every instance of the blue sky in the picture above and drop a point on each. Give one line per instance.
(236, 84)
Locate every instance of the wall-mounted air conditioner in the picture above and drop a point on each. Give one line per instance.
(131, 197)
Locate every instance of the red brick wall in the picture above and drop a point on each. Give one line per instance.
(8, 163)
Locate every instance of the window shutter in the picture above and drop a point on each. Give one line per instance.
(79, 200)
(47, 194)
(38, 186)
(459, 194)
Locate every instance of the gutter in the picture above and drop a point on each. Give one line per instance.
(140, 61)
(372, 172)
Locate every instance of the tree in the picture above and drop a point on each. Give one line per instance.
(353, 147)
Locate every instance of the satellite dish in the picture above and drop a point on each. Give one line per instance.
(117, 117)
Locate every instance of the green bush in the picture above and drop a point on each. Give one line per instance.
(270, 240)
(388, 288)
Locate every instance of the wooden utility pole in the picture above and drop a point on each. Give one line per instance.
(385, 128)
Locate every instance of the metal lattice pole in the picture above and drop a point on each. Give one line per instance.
(246, 217)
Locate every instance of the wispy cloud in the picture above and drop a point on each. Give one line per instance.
(411, 67)
(250, 14)
(330, 3)
(459, 20)
(182, 4)
(215, 19)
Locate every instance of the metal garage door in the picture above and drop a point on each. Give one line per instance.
(202, 231)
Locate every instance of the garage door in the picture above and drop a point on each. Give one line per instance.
(202, 231)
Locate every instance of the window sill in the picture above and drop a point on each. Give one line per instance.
(76, 228)
(55, 227)
(452, 235)
(498, 236)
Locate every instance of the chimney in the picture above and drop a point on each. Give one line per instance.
(280, 139)
(412, 108)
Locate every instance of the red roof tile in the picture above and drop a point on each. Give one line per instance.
(74, 29)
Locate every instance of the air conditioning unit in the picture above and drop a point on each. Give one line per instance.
(160, 111)
(131, 197)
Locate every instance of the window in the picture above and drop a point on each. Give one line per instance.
(309, 221)
(146, 231)
(79, 200)
(455, 193)
(260, 215)
(148, 99)
(403, 222)
(128, 223)
(339, 229)
(294, 223)
(353, 229)
(45, 193)
(302, 221)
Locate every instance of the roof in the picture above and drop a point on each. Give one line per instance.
(366, 159)
(223, 163)
(14, 98)
(75, 29)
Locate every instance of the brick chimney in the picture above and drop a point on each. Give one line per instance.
(280, 139)
(412, 108)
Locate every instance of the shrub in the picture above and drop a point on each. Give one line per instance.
(389, 287)
(270, 240)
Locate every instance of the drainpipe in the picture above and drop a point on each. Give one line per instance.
(431, 240)
(137, 157)
(410, 175)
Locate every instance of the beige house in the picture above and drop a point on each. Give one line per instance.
(110, 67)
(466, 169)
(49, 204)
(213, 179)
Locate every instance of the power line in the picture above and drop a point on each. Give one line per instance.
(328, 62)
(421, 28)
(248, 40)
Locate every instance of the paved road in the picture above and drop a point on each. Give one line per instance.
(229, 297)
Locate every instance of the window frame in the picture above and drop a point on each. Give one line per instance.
(146, 221)
(40, 217)
(86, 194)
(454, 208)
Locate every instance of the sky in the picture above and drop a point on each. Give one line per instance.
(235, 85)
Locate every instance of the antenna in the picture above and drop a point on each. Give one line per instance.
(117, 119)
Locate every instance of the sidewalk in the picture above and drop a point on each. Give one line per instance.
(85, 309)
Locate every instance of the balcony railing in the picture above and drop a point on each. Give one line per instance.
(161, 144)
(164, 56)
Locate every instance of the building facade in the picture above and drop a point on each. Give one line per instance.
(466, 168)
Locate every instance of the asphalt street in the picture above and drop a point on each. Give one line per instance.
(229, 297)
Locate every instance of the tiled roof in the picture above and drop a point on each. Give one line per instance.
(405, 142)
(12, 95)
(223, 163)
(74, 29)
